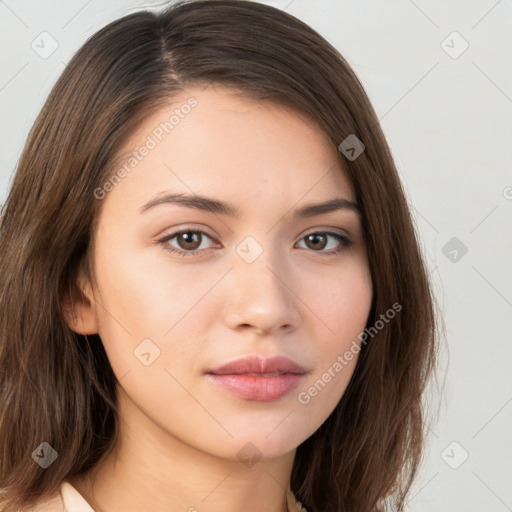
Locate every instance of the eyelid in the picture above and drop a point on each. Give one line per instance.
(174, 234)
(317, 229)
(326, 229)
(344, 240)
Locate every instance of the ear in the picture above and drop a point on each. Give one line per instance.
(79, 306)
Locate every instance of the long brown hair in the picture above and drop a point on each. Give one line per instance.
(58, 387)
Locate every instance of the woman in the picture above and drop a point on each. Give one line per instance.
(212, 293)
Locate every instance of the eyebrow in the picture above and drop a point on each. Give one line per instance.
(219, 207)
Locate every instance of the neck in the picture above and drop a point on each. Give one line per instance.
(151, 470)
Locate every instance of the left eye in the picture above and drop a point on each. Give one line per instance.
(319, 239)
(190, 241)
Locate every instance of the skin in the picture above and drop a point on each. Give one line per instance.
(179, 433)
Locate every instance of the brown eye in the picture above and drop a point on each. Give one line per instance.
(189, 240)
(319, 241)
(316, 241)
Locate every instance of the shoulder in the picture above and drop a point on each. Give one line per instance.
(292, 503)
(65, 499)
(52, 503)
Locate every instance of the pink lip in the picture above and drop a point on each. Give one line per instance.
(244, 377)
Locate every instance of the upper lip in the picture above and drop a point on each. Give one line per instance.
(258, 365)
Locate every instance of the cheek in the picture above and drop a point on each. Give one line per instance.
(342, 303)
(349, 319)
(343, 309)
(151, 308)
(141, 299)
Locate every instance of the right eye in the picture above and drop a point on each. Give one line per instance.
(190, 240)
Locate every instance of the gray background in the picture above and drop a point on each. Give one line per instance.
(447, 115)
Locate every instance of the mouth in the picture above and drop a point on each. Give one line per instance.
(273, 374)
(258, 379)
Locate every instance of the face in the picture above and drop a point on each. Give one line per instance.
(182, 290)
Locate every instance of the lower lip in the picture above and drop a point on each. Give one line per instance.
(260, 389)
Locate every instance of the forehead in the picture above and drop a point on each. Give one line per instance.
(216, 142)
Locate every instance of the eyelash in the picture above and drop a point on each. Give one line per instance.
(345, 242)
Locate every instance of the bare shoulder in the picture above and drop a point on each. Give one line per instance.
(54, 504)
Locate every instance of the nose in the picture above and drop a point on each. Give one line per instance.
(262, 296)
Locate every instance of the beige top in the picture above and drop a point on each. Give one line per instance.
(70, 500)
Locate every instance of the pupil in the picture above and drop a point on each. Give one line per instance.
(315, 238)
(189, 238)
